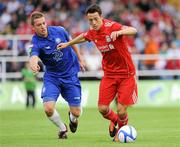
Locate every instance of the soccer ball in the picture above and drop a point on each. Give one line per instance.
(127, 134)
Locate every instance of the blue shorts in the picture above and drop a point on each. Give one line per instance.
(69, 88)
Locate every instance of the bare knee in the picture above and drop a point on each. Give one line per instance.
(49, 109)
(76, 111)
(103, 109)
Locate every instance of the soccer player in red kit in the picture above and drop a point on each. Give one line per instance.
(119, 71)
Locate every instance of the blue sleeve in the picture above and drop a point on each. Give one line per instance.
(66, 34)
(34, 49)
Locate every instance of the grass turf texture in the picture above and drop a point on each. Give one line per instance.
(156, 127)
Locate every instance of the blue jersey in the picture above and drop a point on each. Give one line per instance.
(59, 63)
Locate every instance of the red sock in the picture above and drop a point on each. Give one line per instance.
(111, 116)
(123, 121)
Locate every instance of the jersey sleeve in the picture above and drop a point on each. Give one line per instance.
(34, 49)
(116, 26)
(66, 34)
(88, 35)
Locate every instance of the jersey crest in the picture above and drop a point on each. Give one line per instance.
(108, 38)
(108, 24)
(58, 40)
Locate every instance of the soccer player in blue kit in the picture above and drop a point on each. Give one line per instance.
(61, 69)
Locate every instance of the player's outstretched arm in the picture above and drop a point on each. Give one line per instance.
(81, 61)
(33, 61)
(76, 40)
(126, 30)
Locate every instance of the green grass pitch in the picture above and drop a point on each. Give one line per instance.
(156, 127)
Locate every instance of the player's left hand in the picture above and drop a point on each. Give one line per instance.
(62, 45)
(82, 65)
(114, 35)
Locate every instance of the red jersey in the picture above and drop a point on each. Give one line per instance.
(116, 61)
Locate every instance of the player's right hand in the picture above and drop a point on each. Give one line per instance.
(62, 45)
(115, 35)
(34, 65)
(82, 65)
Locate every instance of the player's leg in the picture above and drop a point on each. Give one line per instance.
(127, 95)
(112, 125)
(53, 116)
(50, 93)
(122, 115)
(27, 99)
(107, 93)
(109, 114)
(33, 99)
(122, 118)
(71, 92)
(32, 96)
(74, 114)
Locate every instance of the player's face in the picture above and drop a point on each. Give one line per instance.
(95, 20)
(40, 27)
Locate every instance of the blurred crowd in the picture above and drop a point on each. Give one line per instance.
(157, 22)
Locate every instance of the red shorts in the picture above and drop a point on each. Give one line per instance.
(124, 88)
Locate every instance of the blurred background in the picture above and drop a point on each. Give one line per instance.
(155, 49)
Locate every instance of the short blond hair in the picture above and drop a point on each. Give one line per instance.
(36, 15)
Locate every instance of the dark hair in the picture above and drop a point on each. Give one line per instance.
(93, 8)
(36, 15)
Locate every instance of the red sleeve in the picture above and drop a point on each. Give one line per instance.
(88, 36)
(116, 26)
